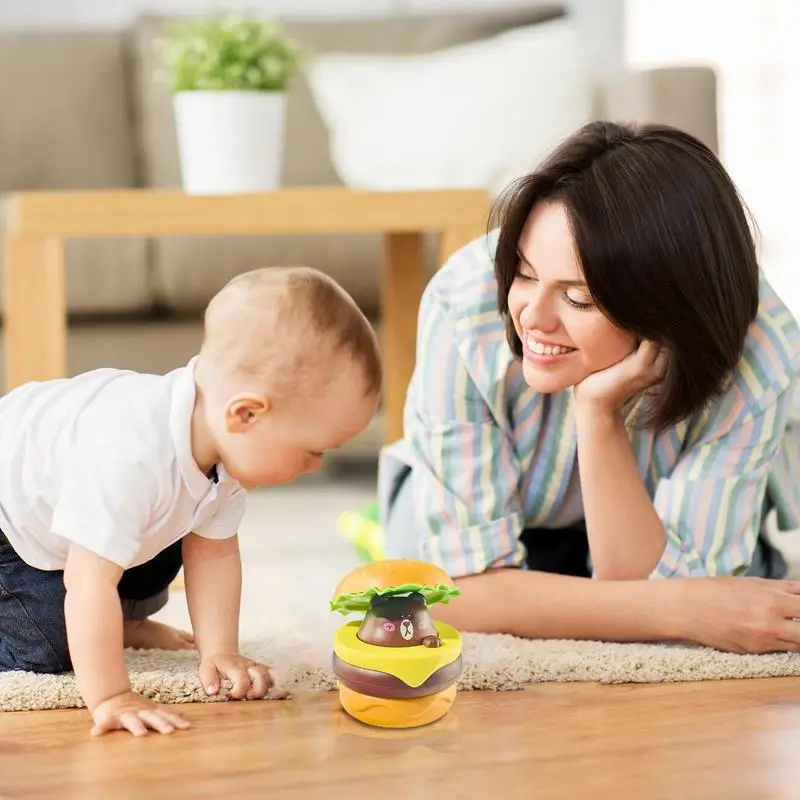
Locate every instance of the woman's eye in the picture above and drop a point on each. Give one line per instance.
(524, 271)
(579, 299)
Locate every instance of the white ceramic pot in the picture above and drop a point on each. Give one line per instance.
(230, 142)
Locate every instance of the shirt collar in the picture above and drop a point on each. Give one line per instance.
(183, 394)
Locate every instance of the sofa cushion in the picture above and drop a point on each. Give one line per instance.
(477, 115)
(66, 124)
(684, 96)
(190, 271)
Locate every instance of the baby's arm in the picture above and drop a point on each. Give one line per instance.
(213, 576)
(94, 626)
(94, 633)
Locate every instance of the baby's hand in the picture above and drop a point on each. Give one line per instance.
(250, 679)
(132, 712)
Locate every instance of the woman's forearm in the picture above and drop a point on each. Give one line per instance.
(543, 605)
(626, 535)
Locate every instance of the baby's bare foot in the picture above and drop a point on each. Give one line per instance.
(147, 634)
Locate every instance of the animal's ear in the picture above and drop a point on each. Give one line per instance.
(416, 597)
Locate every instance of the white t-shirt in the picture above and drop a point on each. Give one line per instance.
(104, 460)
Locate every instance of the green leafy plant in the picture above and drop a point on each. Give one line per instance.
(360, 601)
(228, 53)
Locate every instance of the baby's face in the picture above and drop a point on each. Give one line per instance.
(291, 439)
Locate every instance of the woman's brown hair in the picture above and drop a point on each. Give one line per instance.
(665, 246)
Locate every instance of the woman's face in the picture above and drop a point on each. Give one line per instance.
(564, 335)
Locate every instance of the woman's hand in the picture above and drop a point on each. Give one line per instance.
(742, 615)
(609, 389)
(626, 547)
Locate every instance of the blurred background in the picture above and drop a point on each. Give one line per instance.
(751, 46)
(391, 94)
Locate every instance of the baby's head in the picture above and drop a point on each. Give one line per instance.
(289, 368)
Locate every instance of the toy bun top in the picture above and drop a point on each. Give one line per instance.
(390, 573)
(395, 575)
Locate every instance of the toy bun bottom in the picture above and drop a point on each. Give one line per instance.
(411, 712)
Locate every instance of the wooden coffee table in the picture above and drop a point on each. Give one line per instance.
(37, 224)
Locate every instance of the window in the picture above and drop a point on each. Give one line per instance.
(752, 45)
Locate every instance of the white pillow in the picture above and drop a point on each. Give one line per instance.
(471, 116)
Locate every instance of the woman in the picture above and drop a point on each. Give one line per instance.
(603, 389)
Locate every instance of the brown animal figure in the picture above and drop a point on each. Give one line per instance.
(399, 620)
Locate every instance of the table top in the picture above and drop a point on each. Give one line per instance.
(292, 210)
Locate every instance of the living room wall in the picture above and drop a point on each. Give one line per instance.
(147, 307)
(603, 20)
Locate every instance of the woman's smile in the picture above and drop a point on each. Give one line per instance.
(543, 352)
(560, 342)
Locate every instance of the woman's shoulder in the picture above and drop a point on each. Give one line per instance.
(464, 288)
(766, 374)
(770, 362)
(459, 319)
(764, 379)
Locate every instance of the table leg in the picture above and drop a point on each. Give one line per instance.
(403, 282)
(34, 310)
(453, 239)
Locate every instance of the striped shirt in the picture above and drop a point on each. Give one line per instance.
(490, 456)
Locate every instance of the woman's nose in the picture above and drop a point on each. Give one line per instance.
(538, 314)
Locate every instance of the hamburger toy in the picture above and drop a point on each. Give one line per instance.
(396, 667)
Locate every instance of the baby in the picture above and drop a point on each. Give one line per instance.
(113, 480)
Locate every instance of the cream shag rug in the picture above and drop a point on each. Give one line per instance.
(496, 662)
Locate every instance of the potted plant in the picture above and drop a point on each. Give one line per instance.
(229, 77)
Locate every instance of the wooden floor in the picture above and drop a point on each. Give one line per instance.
(690, 741)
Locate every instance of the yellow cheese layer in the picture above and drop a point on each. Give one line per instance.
(413, 665)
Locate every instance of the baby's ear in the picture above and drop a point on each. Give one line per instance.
(243, 410)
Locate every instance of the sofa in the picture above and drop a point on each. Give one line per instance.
(85, 109)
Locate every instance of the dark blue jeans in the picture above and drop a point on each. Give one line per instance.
(33, 632)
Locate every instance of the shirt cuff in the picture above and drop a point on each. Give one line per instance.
(119, 551)
(215, 533)
(470, 551)
(679, 561)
